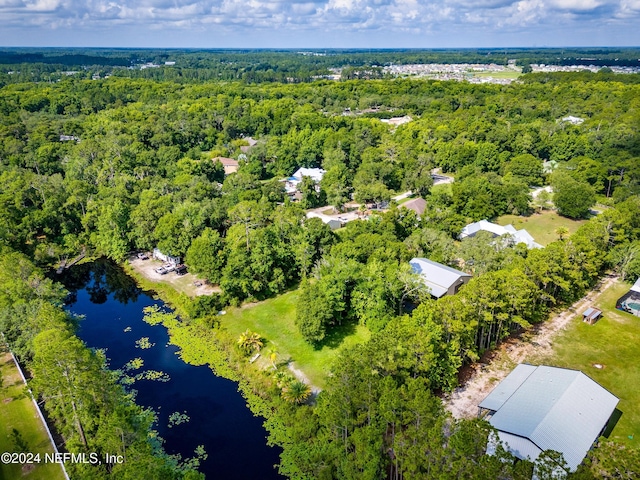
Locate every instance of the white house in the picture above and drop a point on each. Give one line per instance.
(291, 183)
(519, 236)
(158, 255)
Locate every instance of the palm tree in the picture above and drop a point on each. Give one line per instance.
(296, 392)
(562, 232)
(250, 341)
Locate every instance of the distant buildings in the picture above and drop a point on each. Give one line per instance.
(230, 165)
(548, 408)
(572, 120)
(252, 143)
(519, 236)
(291, 183)
(440, 279)
(332, 222)
(395, 121)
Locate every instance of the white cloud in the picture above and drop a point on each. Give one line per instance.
(447, 21)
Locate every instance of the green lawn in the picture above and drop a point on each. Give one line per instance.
(442, 187)
(17, 411)
(541, 226)
(274, 320)
(503, 74)
(612, 343)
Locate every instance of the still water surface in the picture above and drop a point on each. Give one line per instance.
(233, 438)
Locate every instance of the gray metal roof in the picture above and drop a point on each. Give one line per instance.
(555, 408)
(636, 286)
(521, 447)
(439, 278)
(507, 387)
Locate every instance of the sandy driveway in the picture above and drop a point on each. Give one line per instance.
(187, 283)
(463, 401)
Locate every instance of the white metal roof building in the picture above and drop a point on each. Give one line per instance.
(519, 236)
(291, 183)
(549, 408)
(440, 279)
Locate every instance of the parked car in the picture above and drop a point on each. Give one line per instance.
(161, 271)
(143, 256)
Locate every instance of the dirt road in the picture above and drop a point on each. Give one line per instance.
(463, 401)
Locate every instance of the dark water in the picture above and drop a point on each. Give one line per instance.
(233, 438)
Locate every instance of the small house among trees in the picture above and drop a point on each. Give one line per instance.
(230, 165)
(440, 279)
(158, 255)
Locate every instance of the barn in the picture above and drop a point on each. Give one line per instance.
(538, 408)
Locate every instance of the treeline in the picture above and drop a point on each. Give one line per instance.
(88, 406)
(144, 153)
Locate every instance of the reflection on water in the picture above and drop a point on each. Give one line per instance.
(209, 409)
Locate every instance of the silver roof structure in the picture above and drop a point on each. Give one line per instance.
(518, 236)
(549, 408)
(636, 286)
(438, 277)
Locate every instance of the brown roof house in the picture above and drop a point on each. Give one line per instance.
(252, 143)
(418, 205)
(230, 165)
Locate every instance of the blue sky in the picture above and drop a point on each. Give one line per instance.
(319, 23)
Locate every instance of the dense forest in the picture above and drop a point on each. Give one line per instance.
(262, 66)
(113, 166)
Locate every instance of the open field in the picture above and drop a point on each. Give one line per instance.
(542, 226)
(502, 74)
(274, 319)
(18, 412)
(608, 352)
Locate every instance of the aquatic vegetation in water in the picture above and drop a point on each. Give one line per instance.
(144, 343)
(134, 364)
(176, 418)
(156, 375)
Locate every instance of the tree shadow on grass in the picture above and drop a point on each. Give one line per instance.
(336, 335)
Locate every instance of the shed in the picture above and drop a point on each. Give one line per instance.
(591, 315)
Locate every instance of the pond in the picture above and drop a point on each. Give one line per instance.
(218, 417)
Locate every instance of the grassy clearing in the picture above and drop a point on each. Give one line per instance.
(501, 74)
(443, 188)
(613, 343)
(17, 411)
(274, 319)
(542, 226)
